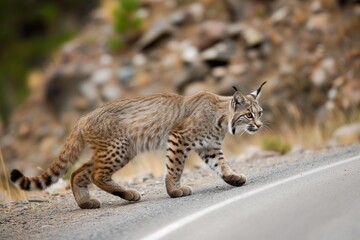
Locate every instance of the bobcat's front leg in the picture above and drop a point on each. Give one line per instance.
(215, 159)
(176, 155)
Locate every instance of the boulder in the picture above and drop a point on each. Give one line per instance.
(160, 31)
(211, 32)
(345, 135)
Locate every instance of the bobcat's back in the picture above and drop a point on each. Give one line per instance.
(144, 121)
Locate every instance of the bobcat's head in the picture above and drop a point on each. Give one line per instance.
(245, 112)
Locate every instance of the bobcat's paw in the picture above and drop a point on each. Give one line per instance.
(235, 180)
(129, 194)
(90, 204)
(180, 192)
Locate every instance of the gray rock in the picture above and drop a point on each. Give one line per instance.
(160, 31)
(125, 74)
(234, 29)
(178, 18)
(196, 71)
(235, 9)
(211, 32)
(220, 54)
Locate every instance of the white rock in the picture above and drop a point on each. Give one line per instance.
(316, 6)
(210, 53)
(101, 76)
(280, 15)
(348, 134)
(139, 60)
(221, 47)
(319, 22)
(110, 92)
(219, 72)
(89, 90)
(143, 13)
(105, 59)
(332, 93)
(330, 105)
(190, 54)
(318, 76)
(329, 65)
(196, 10)
(252, 36)
(237, 69)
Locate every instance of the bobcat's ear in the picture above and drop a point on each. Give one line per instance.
(256, 94)
(238, 100)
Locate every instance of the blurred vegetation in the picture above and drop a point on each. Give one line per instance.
(29, 30)
(276, 144)
(127, 23)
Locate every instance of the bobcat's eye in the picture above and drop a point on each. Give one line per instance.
(249, 115)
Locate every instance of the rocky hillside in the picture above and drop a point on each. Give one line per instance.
(307, 51)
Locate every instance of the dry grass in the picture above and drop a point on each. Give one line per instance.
(7, 190)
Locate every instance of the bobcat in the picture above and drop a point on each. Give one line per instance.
(118, 131)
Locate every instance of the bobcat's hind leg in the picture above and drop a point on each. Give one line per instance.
(80, 180)
(176, 154)
(109, 161)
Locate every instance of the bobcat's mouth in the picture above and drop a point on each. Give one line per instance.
(252, 129)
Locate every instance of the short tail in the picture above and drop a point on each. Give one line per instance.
(69, 155)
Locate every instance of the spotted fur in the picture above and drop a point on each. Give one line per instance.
(118, 131)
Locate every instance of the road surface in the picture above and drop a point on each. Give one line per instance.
(322, 203)
(313, 195)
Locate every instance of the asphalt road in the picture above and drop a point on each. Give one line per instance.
(322, 203)
(310, 196)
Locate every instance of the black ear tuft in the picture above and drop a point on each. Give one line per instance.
(256, 93)
(15, 175)
(235, 88)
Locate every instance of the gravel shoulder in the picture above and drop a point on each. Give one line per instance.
(58, 217)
